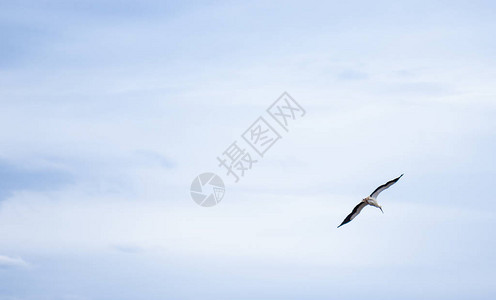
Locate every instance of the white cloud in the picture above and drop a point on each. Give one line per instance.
(12, 262)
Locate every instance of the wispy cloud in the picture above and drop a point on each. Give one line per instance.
(12, 262)
(128, 248)
(352, 75)
(15, 177)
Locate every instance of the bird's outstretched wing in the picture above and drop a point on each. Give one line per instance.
(383, 187)
(354, 213)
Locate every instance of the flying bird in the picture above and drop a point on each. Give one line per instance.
(370, 200)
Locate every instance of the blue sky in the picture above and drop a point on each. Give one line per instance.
(109, 109)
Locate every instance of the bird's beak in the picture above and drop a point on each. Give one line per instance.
(381, 209)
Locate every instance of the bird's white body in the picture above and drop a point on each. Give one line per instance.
(372, 201)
